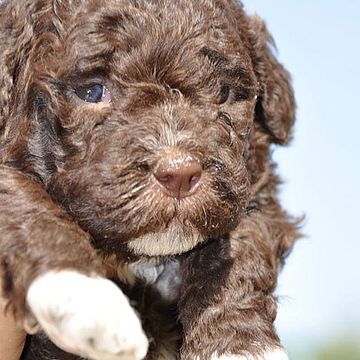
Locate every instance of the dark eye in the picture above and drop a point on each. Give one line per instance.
(224, 94)
(94, 94)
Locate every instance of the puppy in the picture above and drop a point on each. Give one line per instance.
(138, 211)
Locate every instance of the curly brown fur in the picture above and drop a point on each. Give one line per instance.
(76, 179)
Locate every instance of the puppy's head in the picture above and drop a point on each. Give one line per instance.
(149, 121)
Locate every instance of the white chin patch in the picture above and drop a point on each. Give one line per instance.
(275, 354)
(174, 240)
(87, 316)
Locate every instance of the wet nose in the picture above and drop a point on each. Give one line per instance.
(178, 177)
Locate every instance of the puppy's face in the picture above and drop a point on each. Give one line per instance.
(142, 120)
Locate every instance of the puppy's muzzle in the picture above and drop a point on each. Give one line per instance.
(178, 176)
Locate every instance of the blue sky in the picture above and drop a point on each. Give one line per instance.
(319, 43)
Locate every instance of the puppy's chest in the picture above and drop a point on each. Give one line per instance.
(154, 290)
(163, 280)
(159, 280)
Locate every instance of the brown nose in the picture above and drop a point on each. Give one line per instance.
(178, 176)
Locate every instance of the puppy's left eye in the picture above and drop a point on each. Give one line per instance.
(224, 94)
(94, 94)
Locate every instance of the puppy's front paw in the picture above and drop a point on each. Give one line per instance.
(87, 316)
(277, 354)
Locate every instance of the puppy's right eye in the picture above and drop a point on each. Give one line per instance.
(94, 94)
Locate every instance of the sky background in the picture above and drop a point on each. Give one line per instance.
(319, 43)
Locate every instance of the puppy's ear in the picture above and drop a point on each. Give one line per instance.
(275, 109)
(15, 41)
(5, 92)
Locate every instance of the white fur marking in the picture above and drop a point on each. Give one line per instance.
(87, 316)
(276, 354)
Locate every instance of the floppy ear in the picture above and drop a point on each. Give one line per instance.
(15, 40)
(24, 27)
(275, 109)
(5, 91)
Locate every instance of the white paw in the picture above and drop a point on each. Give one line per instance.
(87, 316)
(275, 354)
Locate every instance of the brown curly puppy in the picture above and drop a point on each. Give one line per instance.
(134, 146)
